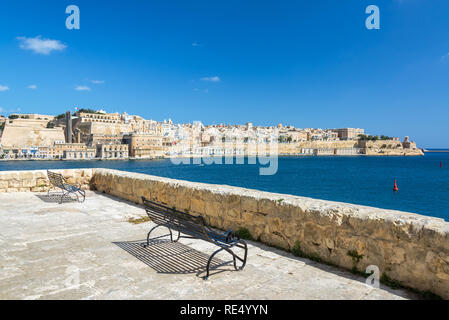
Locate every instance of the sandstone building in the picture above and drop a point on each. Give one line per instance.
(144, 145)
(112, 151)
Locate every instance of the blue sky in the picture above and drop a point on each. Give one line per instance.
(304, 63)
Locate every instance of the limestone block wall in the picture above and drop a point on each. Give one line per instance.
(37, 181)
(409, 248)
(26, 133)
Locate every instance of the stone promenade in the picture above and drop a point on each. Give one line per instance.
(90, 250)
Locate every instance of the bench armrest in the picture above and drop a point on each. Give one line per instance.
(231, 236)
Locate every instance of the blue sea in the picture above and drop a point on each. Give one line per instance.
(423, 185)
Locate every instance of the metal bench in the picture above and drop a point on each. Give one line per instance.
(193, 227)
(58, 181)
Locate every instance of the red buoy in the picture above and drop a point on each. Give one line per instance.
(441, 164)
(395, 188)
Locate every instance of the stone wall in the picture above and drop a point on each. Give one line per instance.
(37, 181)
(406, 247)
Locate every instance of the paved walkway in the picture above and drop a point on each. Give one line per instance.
(91, 251)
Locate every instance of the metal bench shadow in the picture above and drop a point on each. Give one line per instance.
(168, 257)
(194, 227)
(55, 198)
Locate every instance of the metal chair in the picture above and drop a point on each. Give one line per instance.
(58, 181)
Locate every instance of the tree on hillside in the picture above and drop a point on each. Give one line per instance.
(50, 125)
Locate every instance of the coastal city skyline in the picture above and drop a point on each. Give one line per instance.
(89, 134)
(266, 65)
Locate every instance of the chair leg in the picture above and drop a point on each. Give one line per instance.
(82, 193)
(62, 197)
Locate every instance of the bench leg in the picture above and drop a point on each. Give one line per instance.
(148, 235)
(179, 236)
(241, 244)
(209, 262)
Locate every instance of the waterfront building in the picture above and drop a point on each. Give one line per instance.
(87, 154)
(307, 151)
(45, 152)
(324, 151)
(348, 151)
(112, 151)
(96, 139)
(144, 145)
(73, 151)
(349, 133)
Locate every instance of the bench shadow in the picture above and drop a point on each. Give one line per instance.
(168, 257)
(55, 198)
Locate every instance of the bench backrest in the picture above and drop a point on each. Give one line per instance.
(177, 220)
(56, 179)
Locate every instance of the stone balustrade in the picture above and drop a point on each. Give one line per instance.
(407, 248)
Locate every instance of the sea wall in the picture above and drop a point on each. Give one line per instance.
(37, 180)
(408, 248)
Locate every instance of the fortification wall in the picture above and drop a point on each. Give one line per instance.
(388, 148)
(28, 133)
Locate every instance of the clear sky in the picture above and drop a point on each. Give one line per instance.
(303, 63)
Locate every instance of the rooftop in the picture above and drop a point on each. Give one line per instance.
(46, 247)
